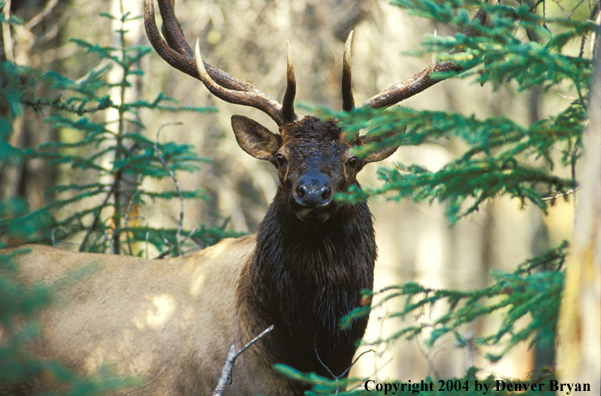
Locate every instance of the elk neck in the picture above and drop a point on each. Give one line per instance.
(303, 278)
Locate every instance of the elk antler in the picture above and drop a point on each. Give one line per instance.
(404, 89)
(175, 50)
(348, 102)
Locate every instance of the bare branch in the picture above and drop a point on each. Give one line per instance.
(228, 366)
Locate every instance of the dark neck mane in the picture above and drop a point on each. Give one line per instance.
(304, 277)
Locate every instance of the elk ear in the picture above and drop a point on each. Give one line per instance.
(378, 155)
(255, 139)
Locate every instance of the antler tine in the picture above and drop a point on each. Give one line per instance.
(172, 57)
(412, 86)
(348, 102)
(421, 81)
(182, 57)
(290, 93)
(252, 99)
(172, 30)
(176, 51)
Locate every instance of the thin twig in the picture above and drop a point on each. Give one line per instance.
(574, 9)
(97, 217)
(147, 237)
(467, 342)
(168, 251)
(52, 237)
(164, 254)
(373, 374)
(110, 241)
(357, 359)
(131, 201)
(533, 8)
(558, 3)
(563, 194)
(426, 356)
(545, 16)
(190, 234)
(345, 372)
(177, 187)
(584, 36)
(228, 366)
(166, 241)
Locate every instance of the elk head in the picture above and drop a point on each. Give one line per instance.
(312, 157)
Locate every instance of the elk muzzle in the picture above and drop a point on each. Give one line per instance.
(312, 197)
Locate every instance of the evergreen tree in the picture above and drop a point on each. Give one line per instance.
(114, 161)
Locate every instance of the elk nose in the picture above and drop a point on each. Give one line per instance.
(313, 191)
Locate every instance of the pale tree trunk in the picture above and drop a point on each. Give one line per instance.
(579, 337)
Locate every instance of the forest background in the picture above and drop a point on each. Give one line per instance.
(247, 38)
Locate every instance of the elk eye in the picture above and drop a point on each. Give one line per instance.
(353, 161)
(280, 159)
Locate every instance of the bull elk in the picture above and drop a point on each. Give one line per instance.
(171, 322)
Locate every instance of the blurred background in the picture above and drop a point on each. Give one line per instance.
(247, 38)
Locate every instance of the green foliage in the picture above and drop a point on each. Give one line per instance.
(500, 156)
(500, 52)
(11, 78)
(498, 159)
(521, 48)
(114, 156)
(532, 291)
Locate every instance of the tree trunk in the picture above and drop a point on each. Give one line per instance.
(579, 338)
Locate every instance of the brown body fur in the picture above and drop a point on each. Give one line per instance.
(160, 333)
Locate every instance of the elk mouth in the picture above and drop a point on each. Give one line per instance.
(305, 211)
(312, 214)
